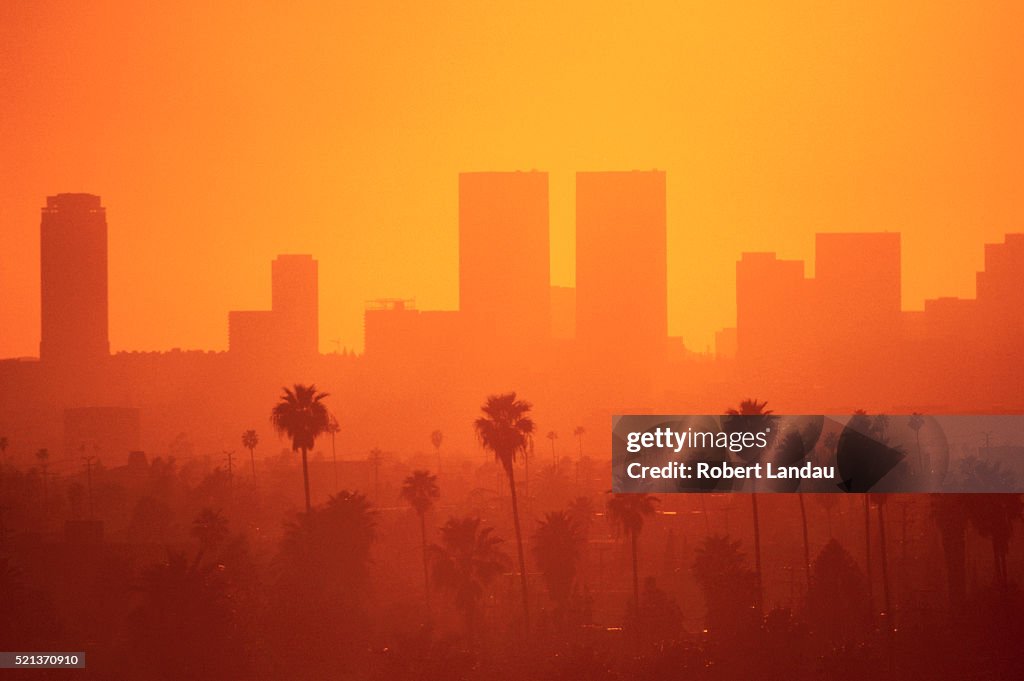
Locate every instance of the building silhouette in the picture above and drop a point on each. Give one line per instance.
(396, 334)
(1000, 295)
(291, 327)
(252, 333)
(73, 284)
(295, 302)
(504, 259)
(772, 300)
(621, 265)
(857, 284)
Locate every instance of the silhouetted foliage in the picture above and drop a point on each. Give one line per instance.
(467, 559)
(302, 416)
(557, 545)
(322, 575)
(730, 590)
(183, 627)
(420, 490)
(506, 429)
(628, 512)
(992, 515)
(836, 603)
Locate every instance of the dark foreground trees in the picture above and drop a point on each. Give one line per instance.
(466, 560)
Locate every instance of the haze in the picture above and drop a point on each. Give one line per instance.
(222, 136)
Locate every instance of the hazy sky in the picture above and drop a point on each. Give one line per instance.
(220, 137)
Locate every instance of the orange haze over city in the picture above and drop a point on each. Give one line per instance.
(220, 136)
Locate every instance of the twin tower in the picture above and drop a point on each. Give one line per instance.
(621, 263)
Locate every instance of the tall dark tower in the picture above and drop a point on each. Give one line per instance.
(73, 265)
(621, 265)
(295, 303)
(504, 257)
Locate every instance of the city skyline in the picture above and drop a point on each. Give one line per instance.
(512, 340)
(247, 325)
(772, 124)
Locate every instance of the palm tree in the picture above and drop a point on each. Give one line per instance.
(992, 515)
(628, 511)
(333, 428)
(302, 416)
(949, 511)
(249, 440)
(552, 436)
(43, 455)
(916, 422)
(558, 543)
(792, 450)
(421, 491)
(376, 457)
(210, 528)
(880, 500)
(753, 416)
(436, 438)
(506, 429)
(729, 586)
(578, 432)
(581, 510)
(186, 605)
(467, 559)
(3, 457)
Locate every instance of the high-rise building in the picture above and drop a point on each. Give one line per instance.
(73, 268)
(857, 276)
(772, 300)
(999, 283)
(295, 302)
(857, 308)
(504, 258)
(290, 329)
(621, 265)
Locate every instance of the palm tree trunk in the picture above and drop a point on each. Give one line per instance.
(999, 561)
(885, 563)
(426, 571)
(305, 479)
(867, 555)
(757, 553)
(252, 459)
(921, 456)
(334, 462)
(636, 575)
(807, 546)
(519, 545)
(890, 620)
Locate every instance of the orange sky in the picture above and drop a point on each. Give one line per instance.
(221, 137)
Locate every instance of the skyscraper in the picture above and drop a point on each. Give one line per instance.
(504, 256)
(772, 313)
(860, 273)
(857, 278)
(73, 286)
(621, 265)
(295, 302)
